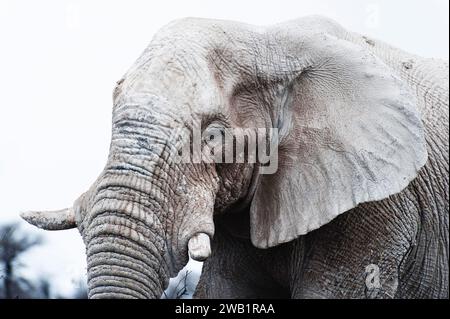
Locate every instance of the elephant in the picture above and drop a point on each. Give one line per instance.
(356, 208)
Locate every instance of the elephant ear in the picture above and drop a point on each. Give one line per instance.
(350, 133)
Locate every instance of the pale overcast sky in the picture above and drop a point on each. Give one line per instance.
(59, 61)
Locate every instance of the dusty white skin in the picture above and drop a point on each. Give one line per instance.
(350, 113)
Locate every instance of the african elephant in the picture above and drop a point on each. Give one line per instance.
(358, 205)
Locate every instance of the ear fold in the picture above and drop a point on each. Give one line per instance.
(352, 135)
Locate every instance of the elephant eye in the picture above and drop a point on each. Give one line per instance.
(213, 139)
(213, 132)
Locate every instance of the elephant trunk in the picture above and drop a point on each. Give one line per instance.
(136, 238)
(126, 247)
(119, 268)
(115, 276)
(146, 213)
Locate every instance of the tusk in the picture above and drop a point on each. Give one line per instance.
(51, 220)
(199, 247)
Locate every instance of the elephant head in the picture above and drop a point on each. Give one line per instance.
(348, 132)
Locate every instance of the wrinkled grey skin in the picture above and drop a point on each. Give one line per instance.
(363, 176)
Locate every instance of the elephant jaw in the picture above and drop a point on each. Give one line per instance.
(199, 247)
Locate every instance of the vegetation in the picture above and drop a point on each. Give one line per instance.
(13, 245)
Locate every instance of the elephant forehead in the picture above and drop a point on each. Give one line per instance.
(224, 52)
(199, 62)
(233, 52)
(190, 44)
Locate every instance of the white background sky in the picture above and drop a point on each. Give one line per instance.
(59, 61)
